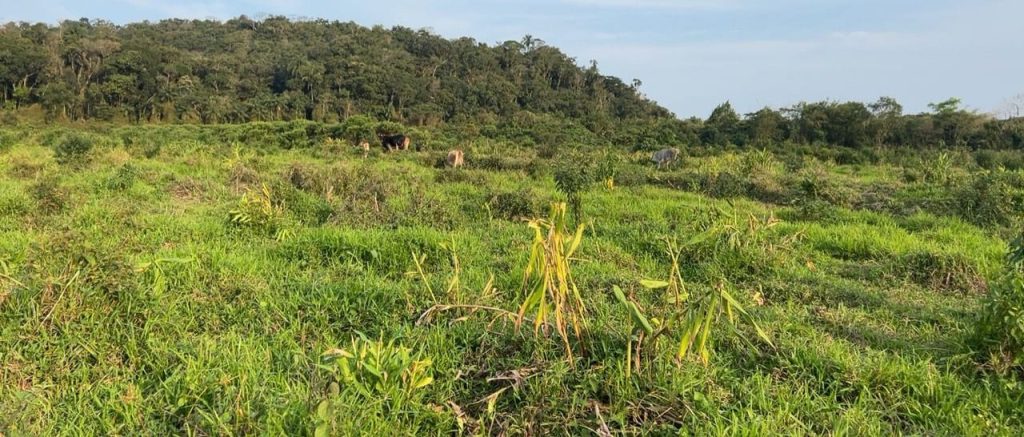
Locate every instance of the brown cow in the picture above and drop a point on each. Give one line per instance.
(454, 159)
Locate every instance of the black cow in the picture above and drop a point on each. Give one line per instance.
(394, 142)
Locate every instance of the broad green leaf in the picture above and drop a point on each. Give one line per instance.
(653, 284)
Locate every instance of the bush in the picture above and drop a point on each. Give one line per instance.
(999, 332)
(73, 150)
(572, 177)
(992, 198)
(123, 178)
(513, 205)
(725, 185)
(258, 210)
(815, 183)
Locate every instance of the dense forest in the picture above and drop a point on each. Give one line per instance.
(241, 70)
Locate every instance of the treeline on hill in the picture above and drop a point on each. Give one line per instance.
(273, 69)
(277, 69)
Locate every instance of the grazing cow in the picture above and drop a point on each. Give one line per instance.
(454, 159)
(394, 142)
(665, 157)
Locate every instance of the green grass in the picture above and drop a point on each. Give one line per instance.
(134, 306)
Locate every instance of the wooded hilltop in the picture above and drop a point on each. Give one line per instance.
(241, 70)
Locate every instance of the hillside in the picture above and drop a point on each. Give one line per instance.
(278, 69)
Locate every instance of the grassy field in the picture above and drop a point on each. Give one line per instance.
(163, 281)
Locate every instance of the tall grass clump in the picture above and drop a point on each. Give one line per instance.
(550, 292)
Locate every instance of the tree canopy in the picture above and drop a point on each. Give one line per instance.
(240, 70)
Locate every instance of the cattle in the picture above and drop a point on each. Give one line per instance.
(364, 146)
(665, 157)
(454, 159)
(394, 142)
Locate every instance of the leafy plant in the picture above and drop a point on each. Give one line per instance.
(702, 313)
(698, 314)
(1000, 329)
(73, 150)
(548, 285)
(123, 178)
(572, 179)
(378, 370)
(640, 329)
(454, 281)
(607, 168)
(157, 272)
(256, 210)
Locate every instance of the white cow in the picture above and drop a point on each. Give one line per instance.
(665, 157)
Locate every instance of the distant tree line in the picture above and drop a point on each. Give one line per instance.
(273, 69)
(857, 125)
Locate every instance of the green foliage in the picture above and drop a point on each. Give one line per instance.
(257, 210)
(548, 287)
(516, 205)
(696, 314)
(123, 178)
(607, 168)
(73, 150)
(1000, 329)
(50, 197)
(373, 373)
(703, 310)
(992, 198)
(379, 370)
(219, 329)
(572, 178)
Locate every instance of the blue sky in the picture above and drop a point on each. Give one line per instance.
(693, 54)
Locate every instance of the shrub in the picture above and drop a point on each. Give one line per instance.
(999, 332)
(725, 185)
(572, 177)
(992, 198)
(513, 205)
(608, 168)
(73, 150)
(123, 178)
(548, 287)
